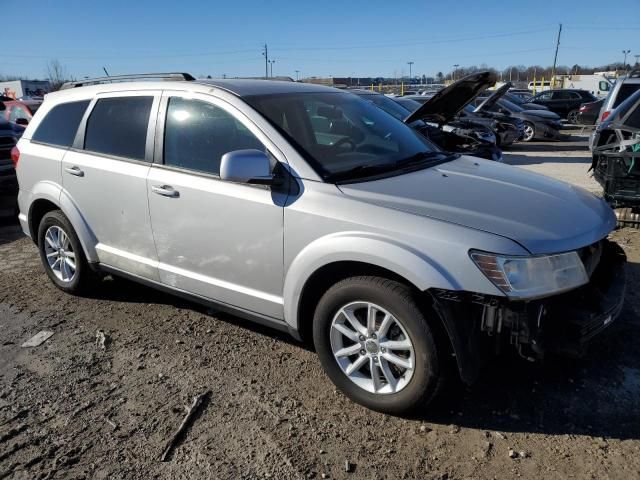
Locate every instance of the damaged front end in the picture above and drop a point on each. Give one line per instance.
(480, 325)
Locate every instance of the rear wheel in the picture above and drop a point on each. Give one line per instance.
(376, 345)
(572, 117)
(62, 255)
(529, 132)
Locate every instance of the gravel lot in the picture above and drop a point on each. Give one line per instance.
(72, 409)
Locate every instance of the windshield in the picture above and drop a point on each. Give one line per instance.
(409, 103)
(512, 107)
(341, 135)
(388, 105)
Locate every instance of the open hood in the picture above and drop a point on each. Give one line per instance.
(493, 98)
(448, 102)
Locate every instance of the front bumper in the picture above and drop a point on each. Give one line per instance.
(562, 324)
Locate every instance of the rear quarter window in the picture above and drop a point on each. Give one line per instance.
(60, 124)
(626, 90)
(118, 126)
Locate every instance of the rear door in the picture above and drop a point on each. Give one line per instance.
(216, 239)
(105, 176)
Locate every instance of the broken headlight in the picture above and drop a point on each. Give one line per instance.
(531, 277)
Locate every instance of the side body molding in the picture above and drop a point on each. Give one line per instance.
(370, 248)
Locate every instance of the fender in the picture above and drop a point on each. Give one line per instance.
(58, 196)
(365, 247)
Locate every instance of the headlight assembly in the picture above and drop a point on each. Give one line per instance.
(531, 277)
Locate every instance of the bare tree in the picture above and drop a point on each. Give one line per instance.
(57, 74)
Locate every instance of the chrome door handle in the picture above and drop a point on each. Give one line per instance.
(74, 171)
(165, 190)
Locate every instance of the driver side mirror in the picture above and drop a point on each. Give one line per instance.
(22, 121)
(246, 166)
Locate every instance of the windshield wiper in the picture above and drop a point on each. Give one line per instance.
(360, 171)
(420, 159)
(427, 158)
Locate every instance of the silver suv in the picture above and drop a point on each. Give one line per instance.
(621, 90)
(313, 211)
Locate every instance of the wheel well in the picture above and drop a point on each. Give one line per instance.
(36, 212)
(323, 278)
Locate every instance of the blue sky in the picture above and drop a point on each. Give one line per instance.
(320, 38)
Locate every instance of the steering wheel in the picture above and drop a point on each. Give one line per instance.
(344, 141)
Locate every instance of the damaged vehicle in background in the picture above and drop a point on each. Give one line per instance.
(443, 129)
(538, 124)
(615, 147)
(506, 130)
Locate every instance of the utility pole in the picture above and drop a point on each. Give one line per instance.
(271, 64)
(626, 52)
(297, 75)
(455, 70)
(555, 59)
(265, 53)
(410, 64)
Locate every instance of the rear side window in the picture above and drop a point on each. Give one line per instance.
(60, 125)
(118, 126)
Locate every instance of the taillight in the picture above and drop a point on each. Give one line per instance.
(605, 115)
(15, 156)
(583, 108)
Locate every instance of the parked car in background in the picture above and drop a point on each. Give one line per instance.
(10, 133)
(615, 146)
(20, 111)
(436, 119)
(396, 259)
(537, 124)
(526, 104)
(565, 102)
(588, 113)
(621, 90)
(523, 94)
(507, 130)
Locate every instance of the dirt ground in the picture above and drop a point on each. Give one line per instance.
(71, 409)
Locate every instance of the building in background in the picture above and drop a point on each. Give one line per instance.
(28, 89)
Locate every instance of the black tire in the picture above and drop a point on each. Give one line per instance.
(528, 138)
(397, 299)
(83, 277)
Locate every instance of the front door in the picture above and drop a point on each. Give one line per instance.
(215, 239)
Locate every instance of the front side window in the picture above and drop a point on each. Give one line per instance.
(197, 134)
(341, 134)
(545, 96)
(118, 126)
(60, 125)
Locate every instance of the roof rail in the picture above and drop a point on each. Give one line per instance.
(125, 78)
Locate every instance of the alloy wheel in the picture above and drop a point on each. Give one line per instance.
(529, 132)
(59, 253)
(372, 348)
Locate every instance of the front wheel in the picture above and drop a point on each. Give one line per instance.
(376, 345)
(529, 132)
